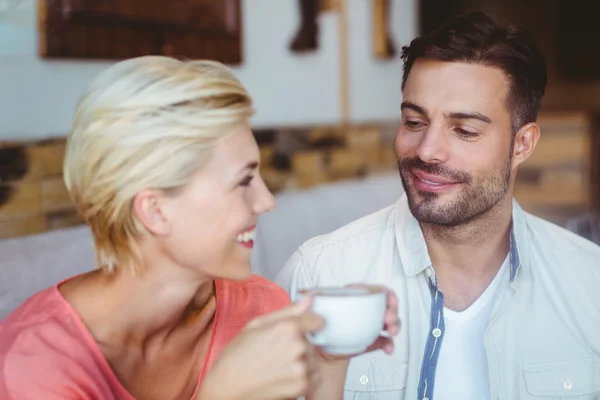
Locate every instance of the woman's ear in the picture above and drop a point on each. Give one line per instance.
(524, 143)
(149, 206)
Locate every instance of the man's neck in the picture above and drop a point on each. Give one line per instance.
(471, 245)
(467, 257)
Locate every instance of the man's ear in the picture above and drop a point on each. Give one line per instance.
(149, 208)
(525, 141)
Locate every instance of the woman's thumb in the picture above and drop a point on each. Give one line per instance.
(299, 307)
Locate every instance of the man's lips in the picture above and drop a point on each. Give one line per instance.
(431, 183)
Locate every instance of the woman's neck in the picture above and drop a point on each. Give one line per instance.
(120, 308)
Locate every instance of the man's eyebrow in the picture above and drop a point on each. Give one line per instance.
(407, 105)
(453, 115)
(468, 115)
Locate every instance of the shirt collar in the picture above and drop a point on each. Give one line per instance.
(413, 248)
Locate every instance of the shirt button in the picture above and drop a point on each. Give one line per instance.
(425, 398)
(437, 332)
(364, 379)
(567, 384)
(429, 272)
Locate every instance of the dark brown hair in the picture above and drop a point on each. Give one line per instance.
(476, 38)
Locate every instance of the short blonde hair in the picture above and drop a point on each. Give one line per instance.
(147, 122)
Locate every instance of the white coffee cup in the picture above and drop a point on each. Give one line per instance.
(354, 317)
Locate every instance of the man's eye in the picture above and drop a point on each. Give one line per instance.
(413, 125)
(466, 134)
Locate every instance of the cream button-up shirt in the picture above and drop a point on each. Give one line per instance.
(543, 337)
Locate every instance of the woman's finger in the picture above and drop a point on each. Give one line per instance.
(293, 310)
(310, 322)
(392, 324)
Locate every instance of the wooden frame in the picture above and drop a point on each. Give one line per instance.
(120, 29)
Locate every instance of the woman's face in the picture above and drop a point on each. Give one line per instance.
(211, 221)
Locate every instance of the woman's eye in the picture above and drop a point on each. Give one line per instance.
(246, 181)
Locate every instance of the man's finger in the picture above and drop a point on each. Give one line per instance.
(382, 343)
(392, 324)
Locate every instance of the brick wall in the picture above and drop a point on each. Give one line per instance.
(555, 183)
(33, 197)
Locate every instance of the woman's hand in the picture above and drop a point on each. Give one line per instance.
(391, 326)
(269, 360)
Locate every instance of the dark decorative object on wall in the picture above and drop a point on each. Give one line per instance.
(119, 29)
(382, 39)
(307, 36)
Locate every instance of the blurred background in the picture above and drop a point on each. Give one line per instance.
(325, 76)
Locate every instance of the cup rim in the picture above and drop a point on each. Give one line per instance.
(366, 291)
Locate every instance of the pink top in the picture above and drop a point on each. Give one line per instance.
(47, 353)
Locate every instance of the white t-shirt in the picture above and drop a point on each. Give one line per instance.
(462, 370)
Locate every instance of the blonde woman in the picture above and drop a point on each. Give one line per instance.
(163, 167)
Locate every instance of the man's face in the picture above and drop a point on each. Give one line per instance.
(454, 145)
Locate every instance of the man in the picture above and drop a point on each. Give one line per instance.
(495, 303)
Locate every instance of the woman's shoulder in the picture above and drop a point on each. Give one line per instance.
(35, 339)
(267, 289)
(33, 313)
(46, 351)
(44, 323)
(258, 282)
(259, 294)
